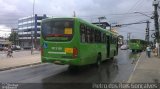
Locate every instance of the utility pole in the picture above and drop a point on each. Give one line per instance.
(147, 32)
(110, 26)
(128, 37)
(155, 4)
(74, 14)
(32, 42)
(101, 18)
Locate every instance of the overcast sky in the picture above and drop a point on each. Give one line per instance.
(115, 11)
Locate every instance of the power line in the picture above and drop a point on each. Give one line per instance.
(137, 5)
(131, 9)
(137, 31)
(134, 5)
(131, 13)
(132, 32)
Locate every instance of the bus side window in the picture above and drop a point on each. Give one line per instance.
(97, 36)
(100, 37)
(82, 33)
(88, 34)
(111, 39)
(86, 37)
(104, 38)
(107, 39)
(92, 38)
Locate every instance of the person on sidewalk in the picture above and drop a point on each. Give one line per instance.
(9, 53)
(148, 51)
(156, 49)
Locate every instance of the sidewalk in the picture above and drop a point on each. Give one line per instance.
(21, 58)
(147, 70)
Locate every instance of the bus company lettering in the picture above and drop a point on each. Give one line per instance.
(57, 48)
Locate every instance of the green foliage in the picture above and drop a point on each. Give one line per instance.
(13, 37)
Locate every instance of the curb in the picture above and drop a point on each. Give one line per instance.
(130, 77)
(9, 68)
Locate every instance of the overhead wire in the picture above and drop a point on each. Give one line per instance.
(138, 2)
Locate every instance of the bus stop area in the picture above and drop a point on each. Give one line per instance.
(20, 59)
(147, 70)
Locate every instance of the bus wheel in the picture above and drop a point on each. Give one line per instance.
(98, 63)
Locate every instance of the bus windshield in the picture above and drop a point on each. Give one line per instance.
(57, 30)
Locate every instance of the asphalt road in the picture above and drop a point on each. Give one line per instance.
(117, 70)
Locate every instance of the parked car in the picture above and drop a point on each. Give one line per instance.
(16, 47)
(5, 49)
(124, 47)
(1, 48)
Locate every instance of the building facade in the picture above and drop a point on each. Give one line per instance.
(29, 31)
(4, 43)
(14, 30)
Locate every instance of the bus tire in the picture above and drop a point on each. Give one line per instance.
(98, 62)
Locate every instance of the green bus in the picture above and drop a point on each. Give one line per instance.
(137, 45)
(76, 42)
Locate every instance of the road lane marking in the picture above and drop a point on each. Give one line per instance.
(130, 78)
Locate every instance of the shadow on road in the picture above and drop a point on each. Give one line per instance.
(87, 74)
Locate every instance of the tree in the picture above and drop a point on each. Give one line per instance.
(13, 37)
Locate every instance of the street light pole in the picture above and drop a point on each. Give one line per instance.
(128, 37)
(155, 4)
(143, 14)
(99, 21)
(32, 44)
(110, 27)
(147, 27)
(147, 32)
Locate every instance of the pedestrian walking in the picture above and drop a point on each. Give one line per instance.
(9, 52)
(156, 49)
(148, 51)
